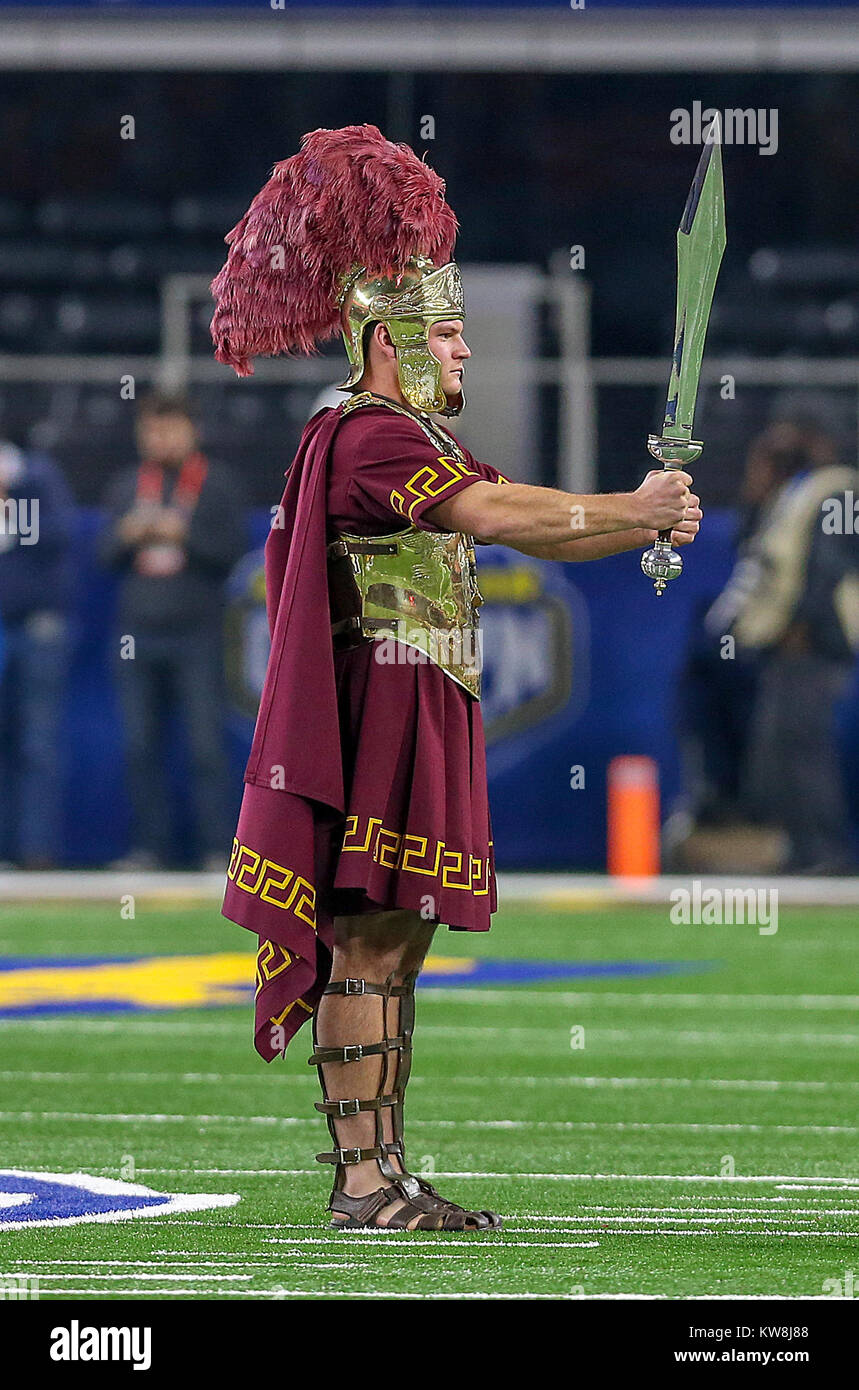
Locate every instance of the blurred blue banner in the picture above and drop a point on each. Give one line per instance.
(582, 663)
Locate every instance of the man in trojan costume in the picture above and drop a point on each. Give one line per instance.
(365, 821)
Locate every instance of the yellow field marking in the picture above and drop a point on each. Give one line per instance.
(156, 982)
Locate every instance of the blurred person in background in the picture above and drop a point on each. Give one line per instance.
(36, 536)
(176, 528)
(792, 603)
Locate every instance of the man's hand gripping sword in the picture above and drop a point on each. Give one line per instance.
(700, 244)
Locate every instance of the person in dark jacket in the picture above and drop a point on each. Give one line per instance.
(37, 520)
(792, 604)
(175, 530)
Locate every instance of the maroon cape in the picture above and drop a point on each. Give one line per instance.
(366, 783)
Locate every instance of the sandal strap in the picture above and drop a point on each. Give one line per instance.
(430, 1191)
(349, 1156)
(353, 986)
(427, 1221)
(435, 1214)
(492, 1218)
(428, 1211)
(362, 1210)
(352, 1052)
(343, 1108)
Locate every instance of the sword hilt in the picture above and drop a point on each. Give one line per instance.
(662, 563)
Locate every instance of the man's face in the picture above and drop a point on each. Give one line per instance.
(166, 439)
(448, 345)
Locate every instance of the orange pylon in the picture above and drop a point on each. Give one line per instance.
(633, 817)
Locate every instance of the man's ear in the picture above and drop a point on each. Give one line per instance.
(384, 340)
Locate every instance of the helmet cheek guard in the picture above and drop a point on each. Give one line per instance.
(408, 306)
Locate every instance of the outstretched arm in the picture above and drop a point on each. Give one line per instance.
(564, 525)
(598, 547)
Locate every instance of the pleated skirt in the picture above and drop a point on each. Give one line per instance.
(416, 835)
(417, 831)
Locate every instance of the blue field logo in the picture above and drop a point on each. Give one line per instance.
(31, 986)
(67, 1199)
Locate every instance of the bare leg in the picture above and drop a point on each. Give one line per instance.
(372, 947)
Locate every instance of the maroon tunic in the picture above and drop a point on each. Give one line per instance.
(366, 785)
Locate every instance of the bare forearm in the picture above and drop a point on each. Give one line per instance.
(524, 516)
(592, 547)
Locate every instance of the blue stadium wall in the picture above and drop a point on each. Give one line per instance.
(582, 664)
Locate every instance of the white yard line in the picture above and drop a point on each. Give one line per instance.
(709, 1231)
(417, 1248)
(412, 1247)
(630, 999)
(801, 1187)
(129, 1026)
(490, 1080)
(552, 997)
(157, 1264)
(673, 1036)
(741, 1213)
(184, 1278)
(735, 1219)
(784, 1213)
(387, 1294)
(722, 1297)
(309, 1293)
(14, 1116)
(836, 1184)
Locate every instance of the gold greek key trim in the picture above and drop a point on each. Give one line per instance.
(269, 879)
(277, 1019)
(270, 952)
(352, 829)
(393, 850)
(420, 850)
(429, 483)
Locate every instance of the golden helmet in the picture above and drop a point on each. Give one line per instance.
(408, 306)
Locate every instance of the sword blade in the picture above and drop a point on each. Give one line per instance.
(700, 246)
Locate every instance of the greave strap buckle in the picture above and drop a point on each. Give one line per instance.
(353, 986)
(349, 1156)
(355, 1052)
(342, 1108)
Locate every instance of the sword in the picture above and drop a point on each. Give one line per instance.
(700, 244)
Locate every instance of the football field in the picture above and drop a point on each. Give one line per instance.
(673, 1114)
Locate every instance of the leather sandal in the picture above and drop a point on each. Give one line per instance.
(423, 1204)
(433, 1212)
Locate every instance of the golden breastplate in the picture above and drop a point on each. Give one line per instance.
(417, 590)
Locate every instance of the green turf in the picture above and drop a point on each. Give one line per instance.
(605, 1160)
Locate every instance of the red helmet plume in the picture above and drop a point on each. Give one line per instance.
(349, 197)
